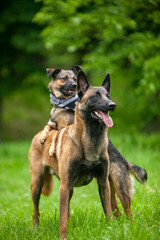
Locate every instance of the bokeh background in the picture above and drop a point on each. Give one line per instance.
(121, 37)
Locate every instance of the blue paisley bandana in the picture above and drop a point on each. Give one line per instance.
(68, 103)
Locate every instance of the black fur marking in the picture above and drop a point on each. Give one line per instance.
(95, 131)
(114, 154)
(82, 172)
(95, 128)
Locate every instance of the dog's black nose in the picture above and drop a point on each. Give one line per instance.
(111, 106)
(74, 85)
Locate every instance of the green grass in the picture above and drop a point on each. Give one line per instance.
(87, 218)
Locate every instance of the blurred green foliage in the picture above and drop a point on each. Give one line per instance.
(21, 48)
(121, 37)
(110, 36)
(21, 67)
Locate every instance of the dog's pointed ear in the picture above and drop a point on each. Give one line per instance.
(76, 69)
(52, 72)
(107, 83)
(82, 84)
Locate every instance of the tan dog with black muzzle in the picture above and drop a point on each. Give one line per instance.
(80, 153)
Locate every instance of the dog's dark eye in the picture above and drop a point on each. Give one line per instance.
(65, 78)
(98, 94)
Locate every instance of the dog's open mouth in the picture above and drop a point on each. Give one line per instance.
(104, 117)
(72, 91)
(68, 92)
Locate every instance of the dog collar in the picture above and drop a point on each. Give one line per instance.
(69, 103)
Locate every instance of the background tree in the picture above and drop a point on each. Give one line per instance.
(22, 57)
(119, 36)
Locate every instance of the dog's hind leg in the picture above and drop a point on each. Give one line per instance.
(123, 187)
(36, 186)
(114, 205)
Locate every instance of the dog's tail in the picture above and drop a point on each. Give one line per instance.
(138, 172)
(48, 184)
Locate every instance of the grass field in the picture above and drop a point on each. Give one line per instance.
(87, 218)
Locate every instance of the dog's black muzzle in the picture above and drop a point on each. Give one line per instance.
(69, 89)
(70, 86)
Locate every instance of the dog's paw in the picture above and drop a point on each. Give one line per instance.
(42, 140)
(117, 213)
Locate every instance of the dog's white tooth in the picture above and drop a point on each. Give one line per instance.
(95, 112)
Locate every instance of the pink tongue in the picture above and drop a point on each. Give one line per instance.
(106, 118)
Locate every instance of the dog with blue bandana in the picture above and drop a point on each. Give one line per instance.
(63, 96)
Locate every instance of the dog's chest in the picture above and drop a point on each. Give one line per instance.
(82, 173)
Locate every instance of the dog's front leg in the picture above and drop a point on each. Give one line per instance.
(44, 133)
(64, 209)
(36, 186)
(104, 192)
